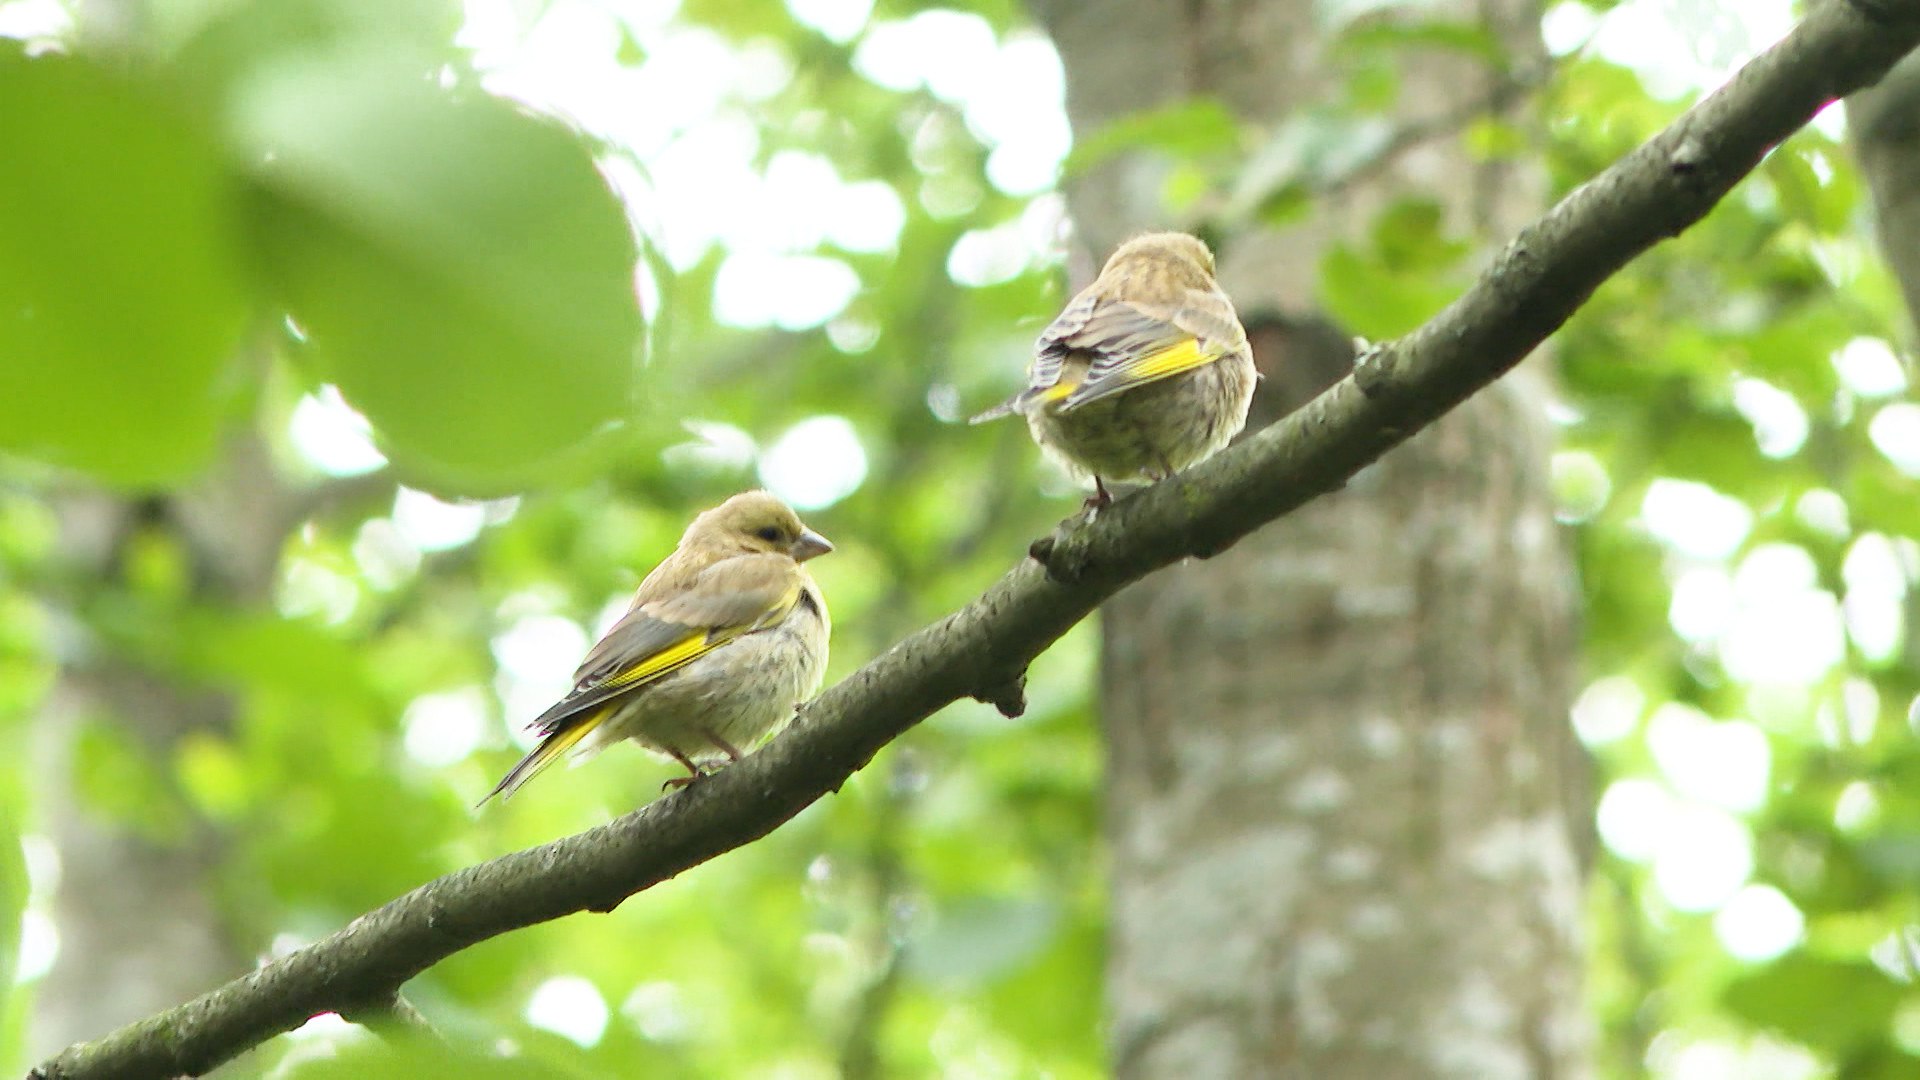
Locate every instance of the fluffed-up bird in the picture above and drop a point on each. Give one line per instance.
(723, 640)
(1146, 372)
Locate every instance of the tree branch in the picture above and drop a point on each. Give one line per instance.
(981, 650)
(392, 1017)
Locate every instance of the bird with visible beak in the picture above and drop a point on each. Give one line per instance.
(722, 642)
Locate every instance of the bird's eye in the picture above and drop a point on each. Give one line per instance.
(769, 533)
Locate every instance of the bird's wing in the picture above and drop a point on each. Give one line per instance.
(1081, 321)
(1135, 343)
(1043, 378)
(732, 597)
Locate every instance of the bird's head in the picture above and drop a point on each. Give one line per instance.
(756, 522)
(1168, 250)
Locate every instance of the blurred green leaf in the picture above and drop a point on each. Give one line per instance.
(1410, 235)
(1468, 38)
(1373, 301)
(121, 301)
(213, 775)
(458, 266)
(1831, 1004)
(117, 780)
(214, 47)
(1185, 130)
(1305, 151)
(1401, 279)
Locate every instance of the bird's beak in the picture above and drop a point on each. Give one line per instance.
(810, 544)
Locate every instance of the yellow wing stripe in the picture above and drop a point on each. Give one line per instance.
(685, 651)
(1057, 391)
(570, 729)
(694, 646)
(1184, 355)
(1181, 356)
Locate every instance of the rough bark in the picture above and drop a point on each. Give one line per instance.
(139, 922)
(980, 650)
(138, 926)
(1339, 783)
(1342, 797)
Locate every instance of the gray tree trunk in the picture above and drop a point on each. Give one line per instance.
(1884, 122)
(1346, 812)
(140, 925)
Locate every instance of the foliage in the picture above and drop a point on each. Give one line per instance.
(1746, 552)
(454, 271)
(381, 226)
(426, 244)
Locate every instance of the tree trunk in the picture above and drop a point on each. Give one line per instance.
(1884, 122)
(1345, 809)
(139, 923)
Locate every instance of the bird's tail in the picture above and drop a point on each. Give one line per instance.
(1026, 399)
(997, 411)
(545, 754)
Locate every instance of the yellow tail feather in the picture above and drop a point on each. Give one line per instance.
(544, 755)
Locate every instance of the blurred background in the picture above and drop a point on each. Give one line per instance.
(357, 358)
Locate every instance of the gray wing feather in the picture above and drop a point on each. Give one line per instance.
(1124, 332)
(1048, 353)
(738, 594)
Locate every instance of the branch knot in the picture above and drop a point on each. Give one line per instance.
(1007, 695)
(1373, 366)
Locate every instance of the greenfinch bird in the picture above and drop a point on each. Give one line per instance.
(1146, 372)
(723, 640)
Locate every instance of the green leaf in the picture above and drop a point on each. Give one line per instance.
(213, 775)
(1409, 236)
(1465, 38)
(116, 779)
(460, 268)
(1374, 301)
(120, 299)
(1823, 1003)
(220, 44)
(1188, 129)
(1715, 448)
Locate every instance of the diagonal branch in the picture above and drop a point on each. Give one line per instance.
(982, 650)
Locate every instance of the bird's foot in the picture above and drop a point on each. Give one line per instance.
(733, 752)
(694, 772)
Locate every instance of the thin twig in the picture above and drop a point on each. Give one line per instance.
(393, 1017)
